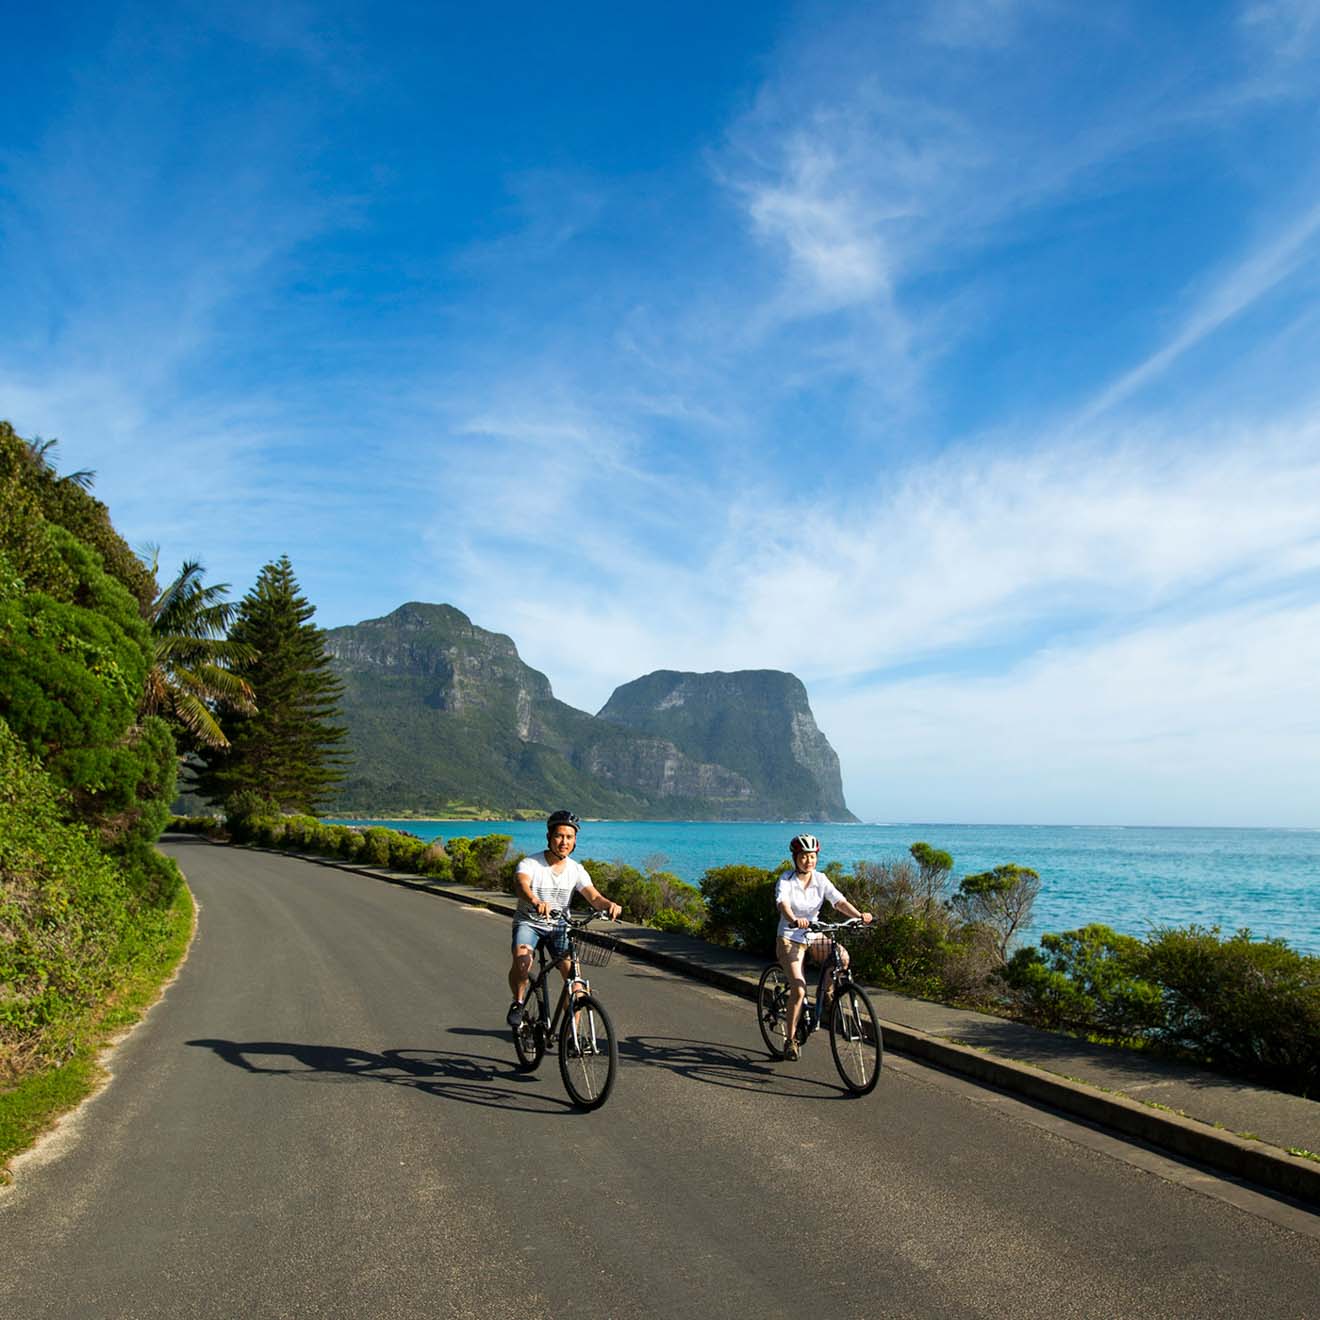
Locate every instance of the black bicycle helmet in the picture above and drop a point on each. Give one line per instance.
(804, 843)
(557, 818)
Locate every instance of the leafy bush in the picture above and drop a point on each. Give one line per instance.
(434, 862)
(301, 834)
(69, 917)
(405, 851)
(740, 908)
(1092, 980)
(1251, 1006)
(375, 846)
(643, 896)
(483, 862)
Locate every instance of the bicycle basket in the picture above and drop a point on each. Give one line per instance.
(855, 935)
(590, 954)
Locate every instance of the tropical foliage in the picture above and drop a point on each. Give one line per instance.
(192, 673)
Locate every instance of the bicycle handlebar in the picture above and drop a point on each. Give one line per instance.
(563, 917)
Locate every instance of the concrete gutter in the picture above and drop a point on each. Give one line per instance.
(1256, 1162)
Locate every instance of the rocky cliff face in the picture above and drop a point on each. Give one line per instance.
(441, 712)
(756, 722)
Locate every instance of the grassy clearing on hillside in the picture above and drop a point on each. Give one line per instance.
(31, 1107)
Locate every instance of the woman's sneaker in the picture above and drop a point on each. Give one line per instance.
(515, 1015)
(791, 1050)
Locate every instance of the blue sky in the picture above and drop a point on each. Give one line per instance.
(962, 358)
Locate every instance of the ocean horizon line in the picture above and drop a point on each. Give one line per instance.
(830, 824)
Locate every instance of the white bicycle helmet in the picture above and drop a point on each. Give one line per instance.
(804, 843)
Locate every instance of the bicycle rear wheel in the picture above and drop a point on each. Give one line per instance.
(855, 1040)
(588, 1053)
(772, 1009)
(529, 1038)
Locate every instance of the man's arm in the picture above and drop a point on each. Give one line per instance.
(600, 902)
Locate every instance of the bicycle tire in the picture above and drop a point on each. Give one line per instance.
(855, 1040)
(772, 1009)
(588, 1053)
(528, 1038)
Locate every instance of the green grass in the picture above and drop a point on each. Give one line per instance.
(32, 1106)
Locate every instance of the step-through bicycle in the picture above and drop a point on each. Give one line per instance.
(855, 1039)
(580, 1027)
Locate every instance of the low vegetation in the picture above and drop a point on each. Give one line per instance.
(1247, 1007)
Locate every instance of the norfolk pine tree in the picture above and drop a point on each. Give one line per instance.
(286, 751)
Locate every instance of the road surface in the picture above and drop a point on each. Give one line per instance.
(322, 1118)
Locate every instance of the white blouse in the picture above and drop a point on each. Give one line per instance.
(804, 900)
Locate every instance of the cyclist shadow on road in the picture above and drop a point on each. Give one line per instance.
(469, 1078)
(735, 1066)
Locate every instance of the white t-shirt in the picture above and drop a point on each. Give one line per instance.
(556, 890)
(803, 900)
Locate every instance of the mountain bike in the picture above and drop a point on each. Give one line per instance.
(855, 1040)
(580, 1026)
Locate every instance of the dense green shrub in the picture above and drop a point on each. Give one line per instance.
(350, 844)
(1250, 1006)
(644, 896)
(1092, 979)
(482, 862)
(375, 846)
(68, 916)
(405, 851)
(740, 908)
(434, 862)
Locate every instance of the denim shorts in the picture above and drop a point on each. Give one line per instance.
(524, 932)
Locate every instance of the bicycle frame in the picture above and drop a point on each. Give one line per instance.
(832, 973)
(578, 983)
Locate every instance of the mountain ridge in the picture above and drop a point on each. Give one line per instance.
(443, 713)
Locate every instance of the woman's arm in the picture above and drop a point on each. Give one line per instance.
(849, 911)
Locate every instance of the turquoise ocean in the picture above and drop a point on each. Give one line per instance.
(1129, 878)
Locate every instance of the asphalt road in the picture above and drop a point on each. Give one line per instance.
(322, 1118)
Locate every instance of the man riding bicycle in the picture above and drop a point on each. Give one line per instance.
(544, 884)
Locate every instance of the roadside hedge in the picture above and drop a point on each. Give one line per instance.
(71, 918)
(1246, 1006)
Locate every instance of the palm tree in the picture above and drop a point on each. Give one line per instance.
(192, 673)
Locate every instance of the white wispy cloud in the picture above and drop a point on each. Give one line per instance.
(1232, 293)
(1203, 722)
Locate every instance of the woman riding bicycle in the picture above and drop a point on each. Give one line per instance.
(545, 884)
(799, 896)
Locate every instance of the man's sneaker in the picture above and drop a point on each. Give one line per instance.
(515, 1014)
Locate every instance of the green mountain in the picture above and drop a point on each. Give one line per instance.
(443, 715)
(757, 722)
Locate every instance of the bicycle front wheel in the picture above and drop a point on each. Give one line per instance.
(529, 1038)
(855, 1040)
(772, 1009)
(588, 1053)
